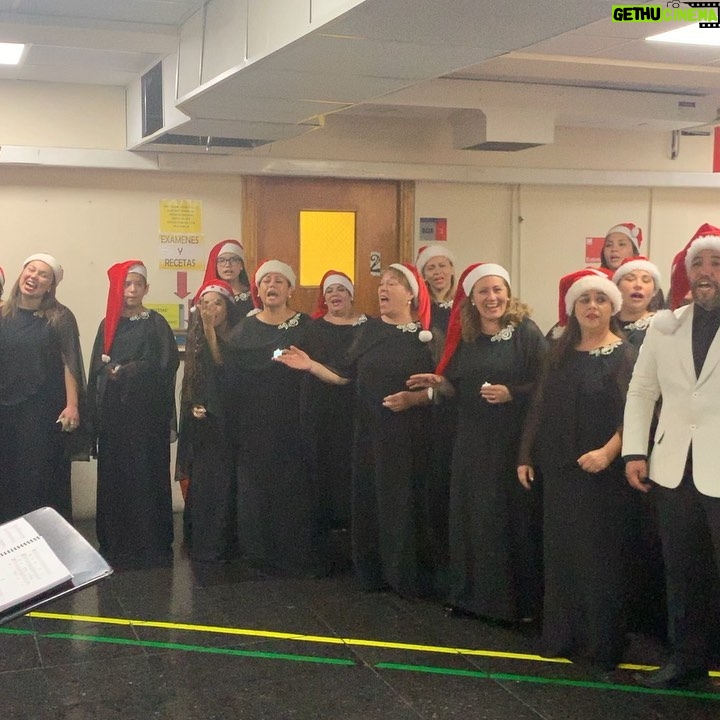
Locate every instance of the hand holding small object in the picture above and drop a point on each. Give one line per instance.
(495, 394)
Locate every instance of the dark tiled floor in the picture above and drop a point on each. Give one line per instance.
(233, 643)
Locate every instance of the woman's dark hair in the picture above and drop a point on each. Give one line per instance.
(658, 301)
(563, 346)
(197, 352)
(49, 308)
(471, 322)
(243, 276)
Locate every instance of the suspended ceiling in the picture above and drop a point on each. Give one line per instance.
(563, 62)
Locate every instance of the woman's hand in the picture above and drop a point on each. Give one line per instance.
(424, 380)
(594, 461)
(526, 475)
(294, 358)
(495, 394)
(199, 412)
(69, 419)
(404, 400)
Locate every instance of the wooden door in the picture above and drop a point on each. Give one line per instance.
(384, 216)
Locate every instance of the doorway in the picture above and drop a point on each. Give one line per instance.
(383, 213)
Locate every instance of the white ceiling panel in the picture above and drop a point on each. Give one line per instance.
(371, 56)
(78, 58)
(164, 12)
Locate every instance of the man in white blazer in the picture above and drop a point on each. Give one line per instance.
(680, 362)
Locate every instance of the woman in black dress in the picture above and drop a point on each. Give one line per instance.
(436, 265)
(42, 390)
(328, 417)
(227, 262)
(492, 360)
(132, 398)
(572, 434)
(639, 282)
(278, 522)
(204, 450)
(390, 528)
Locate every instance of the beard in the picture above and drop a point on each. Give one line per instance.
(703, 295)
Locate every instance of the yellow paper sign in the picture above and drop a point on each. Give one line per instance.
(180, 217)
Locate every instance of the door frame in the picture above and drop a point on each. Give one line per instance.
(405, 216)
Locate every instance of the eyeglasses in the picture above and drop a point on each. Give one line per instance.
(232, 260)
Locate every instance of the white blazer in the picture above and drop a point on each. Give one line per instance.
(690, 406)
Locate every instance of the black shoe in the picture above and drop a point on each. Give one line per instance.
(671, 675)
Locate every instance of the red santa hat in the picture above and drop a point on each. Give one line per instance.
(706, 237)
(48, 260)
(679, 282)
(225, 247)
(630, 230)
(430, 251)
(467, 281)
(331, 277)
(575, 284)
(218, 286)
(637, 264)
(117, 275)
(421, 296)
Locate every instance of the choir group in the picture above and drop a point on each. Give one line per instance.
(464, 454)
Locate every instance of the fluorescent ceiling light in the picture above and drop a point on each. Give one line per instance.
(689, 35)
(10, 53)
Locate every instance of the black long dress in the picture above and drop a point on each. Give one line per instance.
(205, 455)
(328, 420)
(648, 608)
(590, 520)
(495, 523)
(244, 302)
(635, 331)
(277, 504)
(391, 463)
(35, 454)
(134, 420)
(444, 425)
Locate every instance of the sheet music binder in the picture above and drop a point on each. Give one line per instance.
(85, 564)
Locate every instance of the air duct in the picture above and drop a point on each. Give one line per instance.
(503, 129)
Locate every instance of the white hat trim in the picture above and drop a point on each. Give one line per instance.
(48, 260)
(482, 271)
(593, 282)
(432, 251)
(275, 266)
(631, 234)
(231, 248)
(338, 280)
(706, 242)
(634, 266)
(218, 289)
(139, 269)
(409, 276)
